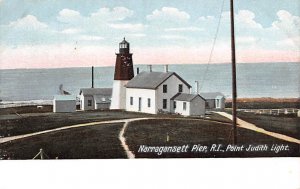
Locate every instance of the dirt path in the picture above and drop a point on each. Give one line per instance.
(250, 126)
(130, 154)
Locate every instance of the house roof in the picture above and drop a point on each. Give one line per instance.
(185, 97)
(64, 97)
(213, 95)
(151, 80)
(96, 91)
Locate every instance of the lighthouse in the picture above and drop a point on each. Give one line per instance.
(123, 73)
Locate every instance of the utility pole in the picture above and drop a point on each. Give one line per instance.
(92, 76)
(233, 60)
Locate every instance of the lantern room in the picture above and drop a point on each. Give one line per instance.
(124, 47)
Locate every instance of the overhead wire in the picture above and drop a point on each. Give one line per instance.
(213, 46)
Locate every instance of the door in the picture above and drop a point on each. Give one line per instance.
(217, 103)
(140, 104)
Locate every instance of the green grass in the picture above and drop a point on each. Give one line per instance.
(265, 105)
(181, 132)
(93, 142)
(218, 117)
(16, 124)
(285, 125)
(101, 141)
(26, 109)
(11, 125)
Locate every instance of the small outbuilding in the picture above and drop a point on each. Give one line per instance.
(188, 104)
(95, 98)
(64, 103)
(214, 100)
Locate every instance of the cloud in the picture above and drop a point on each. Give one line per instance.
(168, 14)
(206, 18)
(128, 27)
(290, 42)
(103, 15)
(244, 19)
(117, 13)
(287, 23)
(247, 17)
(183, 29)
(28, 22)
(104, 21)
(70, 31)
(283, 33)
(68, 15)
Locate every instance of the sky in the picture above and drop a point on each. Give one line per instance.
(81, 33)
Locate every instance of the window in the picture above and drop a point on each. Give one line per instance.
(165, 88)
(184, 105)
(131, 101)
(164, 103)
(180, 88)
(89, 102)
(206, 104)
(174, 104)
(149, 102)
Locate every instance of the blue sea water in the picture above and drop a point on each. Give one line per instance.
(276, 80)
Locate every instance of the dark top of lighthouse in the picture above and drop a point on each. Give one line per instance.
(124, 47)
(124, 65)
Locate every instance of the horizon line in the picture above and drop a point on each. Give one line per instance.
(159, 64)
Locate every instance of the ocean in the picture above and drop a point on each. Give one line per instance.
(277, 80)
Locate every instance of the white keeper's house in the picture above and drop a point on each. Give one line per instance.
(151, 92)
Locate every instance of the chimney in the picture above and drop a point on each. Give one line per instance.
(92, 76)
(196, 87)
(166, 68)
(137, 70)
(150, 68)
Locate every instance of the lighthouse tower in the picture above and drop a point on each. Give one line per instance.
(123, 73)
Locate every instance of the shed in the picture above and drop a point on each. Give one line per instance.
(95, 98)
(64, 103)
(214, 100)
(188, 104)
